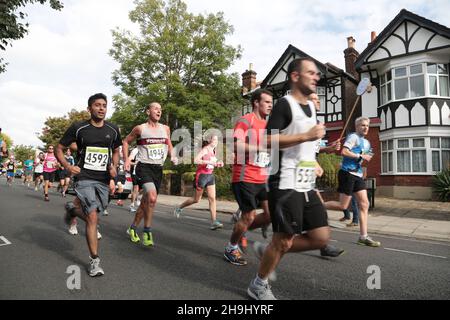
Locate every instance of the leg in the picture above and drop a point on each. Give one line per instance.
(312, 240)
(363, 202)
(242, 226)
(91, 233)
(344, 202)
(211, 191)
(280, 244)
(195, 199)
(262, 219)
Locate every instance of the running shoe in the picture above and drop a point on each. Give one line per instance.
(234, 257)
(46, 198)
(148, 239)
(216, 225)
(264, 230)
(73, 230)
(105, 213)
(94, 267)
(331, 251)
(133, 235)
(352, 224)
(177, 212)
(260, 292)
(369, 242)
(99, 235)
(132, 209)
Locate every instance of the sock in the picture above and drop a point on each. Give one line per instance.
(232, 247)
(149, 229)
(260, 281)
(363, 237)
(133, 227)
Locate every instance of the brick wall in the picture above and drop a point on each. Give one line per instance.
(405, 181)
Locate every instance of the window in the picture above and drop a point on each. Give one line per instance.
(411, 155)
(438, 82)
(387, 155)
(440, 153)
(386, 87)
(409, 82)
(321, 92)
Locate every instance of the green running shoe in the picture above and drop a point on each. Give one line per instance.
(133, 235)
(148, 239)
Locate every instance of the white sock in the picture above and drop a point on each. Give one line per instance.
(260, 281)
(231, 247)
(363, 237)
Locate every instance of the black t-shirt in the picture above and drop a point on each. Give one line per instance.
(281, 116)
(95, 148)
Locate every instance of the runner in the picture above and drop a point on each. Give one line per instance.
(98, 144)
(28, 171)
(356, 150)
(39, 170)
(11, 167)
(250, 173)
(135, 203)
(50, 167)
(294, 204)
(3, 149)
(153, 140)
(204, 179)
(64, 174)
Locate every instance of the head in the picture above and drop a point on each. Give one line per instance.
(212, 140)
(11, 157)
(262, 102)
(41, 155)
(315, 99)
(303, 75)
(50, 149)
(362, 126)
(154, 111)
(30, 157)
(68, 152)
(97, 106)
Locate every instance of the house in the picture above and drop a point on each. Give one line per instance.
(408, 64)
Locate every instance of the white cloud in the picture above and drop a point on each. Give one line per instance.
(64, 58)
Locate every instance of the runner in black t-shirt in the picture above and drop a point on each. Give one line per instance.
(98, 145)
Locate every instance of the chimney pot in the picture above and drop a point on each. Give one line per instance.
(351, 42)
(373, 36)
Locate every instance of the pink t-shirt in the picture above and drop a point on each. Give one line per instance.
(50, 162)
(206, 168)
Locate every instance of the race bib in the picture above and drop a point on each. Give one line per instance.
(50, 164)
(305, 176)
(96, 159)
(155, 151)
(262, 159)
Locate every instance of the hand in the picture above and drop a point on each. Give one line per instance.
(127, 165)
(219, 164)
(74, 170)
(319, 170)
(174, 160)
(315, 133)
(336, 145)
(366, 157)
(112, 171)
(112, 187)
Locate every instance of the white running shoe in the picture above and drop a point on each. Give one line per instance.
(177, 212)
(105, 212)
(73, 230)
(94, 267)
(133, 209)
(99, 235)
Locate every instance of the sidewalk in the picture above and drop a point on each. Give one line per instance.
(409, 218)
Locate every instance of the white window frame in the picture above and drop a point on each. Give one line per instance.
(438, 77)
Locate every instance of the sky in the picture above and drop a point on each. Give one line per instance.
(64, 58)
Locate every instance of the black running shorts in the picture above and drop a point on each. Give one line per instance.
(50, 176)
(293, 212)
(202, 181)
(349, 183)
(149, 173)
(249, 195)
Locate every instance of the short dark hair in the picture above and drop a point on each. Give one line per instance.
(96, 96)
(296, 65)
(256, 96)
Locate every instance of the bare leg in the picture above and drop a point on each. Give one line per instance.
(344, 202)
(242, 226)
(211, 191)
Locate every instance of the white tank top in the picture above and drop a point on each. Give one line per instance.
(153, 145)
(297, 163)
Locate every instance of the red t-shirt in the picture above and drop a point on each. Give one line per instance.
(252, 130)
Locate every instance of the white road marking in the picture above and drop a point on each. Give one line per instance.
(6, 242)
(416, 253)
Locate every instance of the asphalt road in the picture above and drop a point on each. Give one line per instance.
(187, 260)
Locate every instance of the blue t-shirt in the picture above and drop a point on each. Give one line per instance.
(358, 145)
(28, 164)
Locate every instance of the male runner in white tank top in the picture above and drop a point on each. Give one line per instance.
(153, 143)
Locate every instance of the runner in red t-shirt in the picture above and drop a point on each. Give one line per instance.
(250, 172)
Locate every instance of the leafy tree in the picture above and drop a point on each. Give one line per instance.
(22, 152)
(55, 127)
(180, 60)
(7, 139)
(12, 26)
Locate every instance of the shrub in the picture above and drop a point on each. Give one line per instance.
(441, 185)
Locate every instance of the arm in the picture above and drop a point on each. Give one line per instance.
(74, 170)
(115, 163)
(285, 141)
(173, 156)
(134, 135)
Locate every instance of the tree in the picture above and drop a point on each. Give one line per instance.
(180, 60)
(22, 152)
(55, 127)
(11, 27)
(9, 142)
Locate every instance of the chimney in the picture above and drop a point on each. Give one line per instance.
(249, 80)
(373, 36)
(350, 55)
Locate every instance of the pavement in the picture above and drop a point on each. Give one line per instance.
(409, 218)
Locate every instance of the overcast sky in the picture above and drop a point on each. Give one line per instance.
(64, 58)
